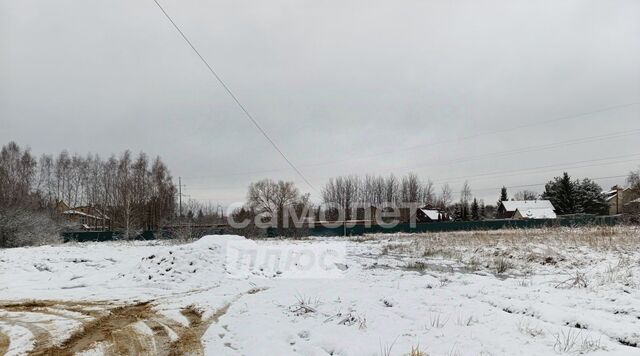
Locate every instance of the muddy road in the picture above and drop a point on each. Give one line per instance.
(112, 329)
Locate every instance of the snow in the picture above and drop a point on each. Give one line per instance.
(78, 212)
(536, 213)
(383, 294)
(523, 205)
(431, 214)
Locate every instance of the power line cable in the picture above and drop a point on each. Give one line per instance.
(226, 88)
(465, 138)
(528, 149)
(518, 172)
(567, 165)
(538, 184)
(458, 160)
(290, 163)
(513, 128)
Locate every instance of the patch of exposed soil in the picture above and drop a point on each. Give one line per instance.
(189, 340)
(109, 328)
(4, 343)
(133, 329)
(41, 336)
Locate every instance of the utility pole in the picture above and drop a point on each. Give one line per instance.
(180, 196)
(344, 219)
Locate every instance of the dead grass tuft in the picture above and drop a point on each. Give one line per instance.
(575, 341)
(415, 351)
(577, 280)
(501, 264)
(304, 305)
(437, 320)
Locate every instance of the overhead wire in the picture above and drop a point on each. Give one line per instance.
(234, 97)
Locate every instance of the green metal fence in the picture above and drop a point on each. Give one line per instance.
(463, 226)
(356, 230)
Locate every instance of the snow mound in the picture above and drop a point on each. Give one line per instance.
(212, 259)
(196, 264)
(216, 240)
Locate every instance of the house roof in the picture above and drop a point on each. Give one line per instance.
(537, 213)
(614, 190)
(609, 197)
(77, 212)
(634, 201)
(431, 213)
(523, 205)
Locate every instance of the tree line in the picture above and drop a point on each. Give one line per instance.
(353, 193)
(138, 193)
(135, 193)
(358, 198)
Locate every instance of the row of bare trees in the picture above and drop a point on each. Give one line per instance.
(135, 193)
(370, 190)
(349, 191)
(356, 198)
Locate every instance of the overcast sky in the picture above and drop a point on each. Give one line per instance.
(451, 90)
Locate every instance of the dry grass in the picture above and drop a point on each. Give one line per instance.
(575, 341)
(415, 351)
(576, 280)
(437, 320)
(502, 264)
(415, 266)
(526, 327)
(500, 251)
(304, 305)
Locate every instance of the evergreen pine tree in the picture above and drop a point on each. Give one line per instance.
(572, 197)
(503, 194)
(475, 210)
(590, 199)
(457, 212)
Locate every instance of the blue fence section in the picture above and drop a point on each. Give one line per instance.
(356, 230)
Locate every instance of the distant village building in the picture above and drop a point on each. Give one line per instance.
(526, 209)
(632, 207)
(89, 218)
(618, 198)
(430, 215)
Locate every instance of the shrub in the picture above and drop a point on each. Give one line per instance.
(21, 226)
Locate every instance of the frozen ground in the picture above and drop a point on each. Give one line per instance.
(531, 292)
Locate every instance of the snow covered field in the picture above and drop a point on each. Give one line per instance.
(527, 292)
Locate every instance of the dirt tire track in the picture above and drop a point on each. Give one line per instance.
(162, 337)
(4, 343)
(190, 340)
(115, 327)
(127, 341)
(103, 329)
(41, 337)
